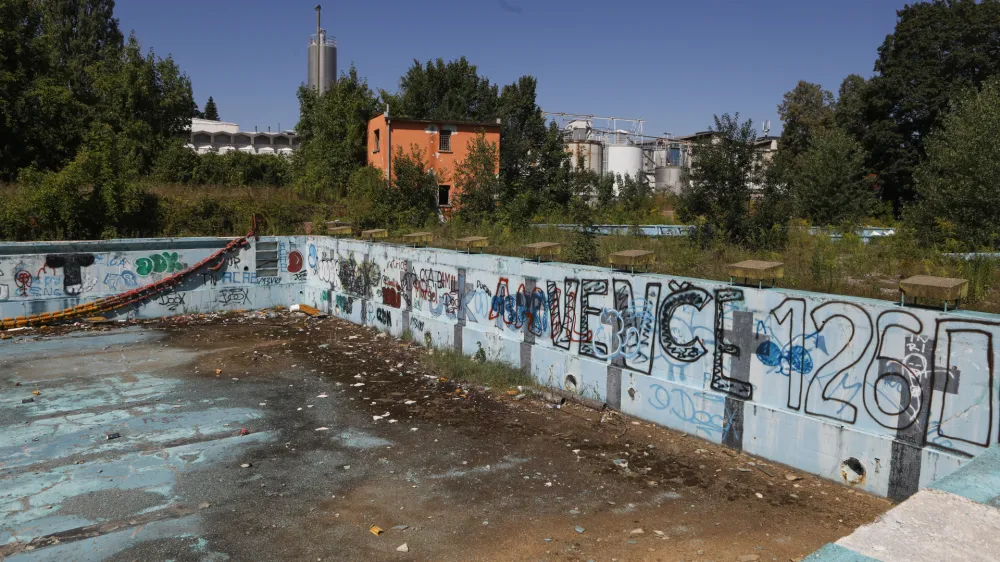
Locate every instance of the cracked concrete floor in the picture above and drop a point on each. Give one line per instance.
(471, 475)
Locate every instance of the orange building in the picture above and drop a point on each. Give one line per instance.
(442, 144)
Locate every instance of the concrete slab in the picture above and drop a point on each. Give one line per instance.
(929, 527)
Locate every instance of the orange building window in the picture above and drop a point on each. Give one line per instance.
(444, 195)
(378, 142)
(444, 141)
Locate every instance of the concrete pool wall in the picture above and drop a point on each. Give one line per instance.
(884, 398)
(37, 277)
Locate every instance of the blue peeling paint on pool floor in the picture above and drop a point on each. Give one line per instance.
(86, 433)
(60, 473)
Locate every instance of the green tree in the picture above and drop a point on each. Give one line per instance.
(145, 99)
(831, 184)
(937, 50)
(634, 195)
(477, 182)
(81, 33)
(851, 110)
(95, 196)
(22, 58)
(446, 91)
(176, 163)
(805, 109)
(957, 183)
(522, 134)
(415, 189)
(583, 247)
(211, 112)
(333, 131)
(370, 202)
(725, 168)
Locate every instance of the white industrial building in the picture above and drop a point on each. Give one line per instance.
(617, 146)
(222, 137)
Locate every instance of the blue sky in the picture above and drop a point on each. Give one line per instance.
(672, 63)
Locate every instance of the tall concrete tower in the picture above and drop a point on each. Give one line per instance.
(322, 58)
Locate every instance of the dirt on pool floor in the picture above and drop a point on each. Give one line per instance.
(368, 434)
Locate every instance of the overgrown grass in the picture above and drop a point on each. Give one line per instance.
(496, 375)
(847, 266)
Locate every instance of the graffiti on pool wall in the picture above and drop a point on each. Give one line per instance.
(390, 293)
(120, 281)
(294, 261)
(915, 375)
(313, 258)
(233, 296)
(172, 301)
(22, 280)
(358, 278)
(345, 305)
(163, 262)
(73, 281)
(519, 310)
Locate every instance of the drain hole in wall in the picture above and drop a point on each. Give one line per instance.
(853, 471)
(570, 383)
(631, 393)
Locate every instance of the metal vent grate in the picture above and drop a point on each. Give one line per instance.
(267, 259)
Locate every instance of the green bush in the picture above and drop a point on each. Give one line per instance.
(370, 201)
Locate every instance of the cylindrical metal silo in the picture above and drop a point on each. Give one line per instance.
(589, 151)
(667, 178)
(322, 61)
(624, 159)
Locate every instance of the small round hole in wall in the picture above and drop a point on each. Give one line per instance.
(852, 471)
(246, 268)
(631, 393)
(570, 383)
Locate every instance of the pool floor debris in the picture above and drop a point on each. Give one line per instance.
(230, 437)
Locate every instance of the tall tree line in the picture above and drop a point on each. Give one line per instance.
(877, 149)
(66, 70)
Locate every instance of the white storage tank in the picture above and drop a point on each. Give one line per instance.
(624, 159)
(592, 153)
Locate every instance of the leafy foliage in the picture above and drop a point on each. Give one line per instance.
(415, 189)
(370, 200)
(145, 99)
(179, 164)
(445, 91)
(938, 50)
(477, 182)
(333, 133)
(805, 110)
(726, 167)
(409, 202)
(831, 184)
(958, 182)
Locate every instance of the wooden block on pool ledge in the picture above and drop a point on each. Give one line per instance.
(756, 270)
(338, 230)
(470, 242)
(632, 258)
(538, 250)
(375, 233)
(938, 288)
(416, 238)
